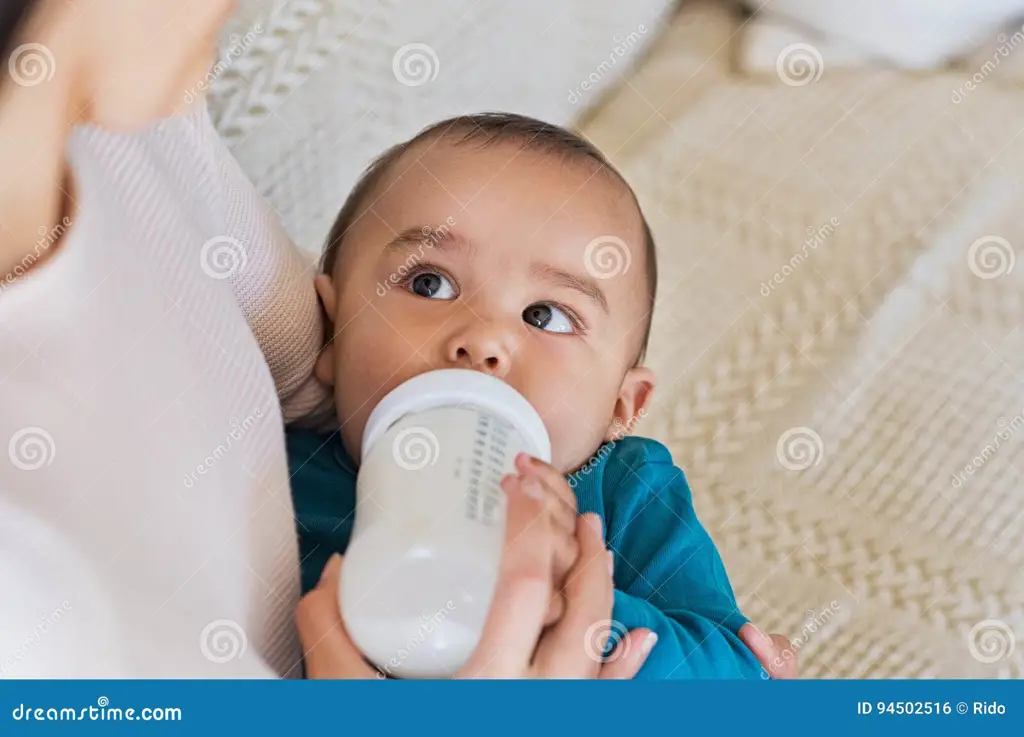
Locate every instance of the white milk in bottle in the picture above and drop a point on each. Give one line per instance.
(429, 531)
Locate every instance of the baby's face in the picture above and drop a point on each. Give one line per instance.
(478, 258)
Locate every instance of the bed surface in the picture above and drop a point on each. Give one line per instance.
(838, 330)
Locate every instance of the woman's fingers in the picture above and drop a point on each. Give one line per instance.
(573, 648)
(785, 664)
(329, 653)
(774, 652)
(566, 551)
(629, 655)
(542, 479)
(561, 497)
(521, 598)
(556, 608)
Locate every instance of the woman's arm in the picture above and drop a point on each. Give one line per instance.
(128, 372)
(272, 280)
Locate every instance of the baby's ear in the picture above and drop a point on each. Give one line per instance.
(323, 370)
(325, 289)
(634, 398)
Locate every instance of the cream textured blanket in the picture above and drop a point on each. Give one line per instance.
(839, 343)
(307, 92)
(837, 333)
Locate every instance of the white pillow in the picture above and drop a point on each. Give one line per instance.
(911, 33)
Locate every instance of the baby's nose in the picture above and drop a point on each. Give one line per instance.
(482, 347)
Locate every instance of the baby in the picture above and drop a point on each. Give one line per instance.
(506, 245)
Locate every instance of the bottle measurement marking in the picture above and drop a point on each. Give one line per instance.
(486, 469)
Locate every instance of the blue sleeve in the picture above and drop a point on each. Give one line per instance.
(669, 576)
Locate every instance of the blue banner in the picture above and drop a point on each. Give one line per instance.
(527, 708)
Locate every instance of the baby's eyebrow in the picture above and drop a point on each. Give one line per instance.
(429, 236)
(582, 284)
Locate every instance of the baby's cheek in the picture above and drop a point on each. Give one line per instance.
(576, 432)
(364, 359)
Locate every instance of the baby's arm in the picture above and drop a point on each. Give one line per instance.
(669, 576)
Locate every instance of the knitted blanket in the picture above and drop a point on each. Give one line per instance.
(839, 344)
(308, 92)
(837, 333)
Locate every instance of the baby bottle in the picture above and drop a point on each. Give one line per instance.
(429, 531)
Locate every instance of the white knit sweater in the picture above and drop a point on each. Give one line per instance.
(146, 527)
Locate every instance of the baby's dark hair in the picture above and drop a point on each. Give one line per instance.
(487, 129)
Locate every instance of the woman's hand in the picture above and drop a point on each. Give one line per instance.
(514, 643)
(774, 652)
(540, 479)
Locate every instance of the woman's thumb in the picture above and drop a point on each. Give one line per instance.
(328, 650)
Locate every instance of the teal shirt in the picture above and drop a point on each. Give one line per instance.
(668, 574)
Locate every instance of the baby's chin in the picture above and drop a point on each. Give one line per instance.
(570, 448)
(570, 456)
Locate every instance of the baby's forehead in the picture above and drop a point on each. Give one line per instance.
(469, 170)
(570, 203)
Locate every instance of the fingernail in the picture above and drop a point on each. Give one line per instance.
(649, 642)
(611, 563)
(596, 524)
(532, 488)
(330, 562)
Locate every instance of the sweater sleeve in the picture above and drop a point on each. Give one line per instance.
(670, 578)
(141, 433)
(271, 278)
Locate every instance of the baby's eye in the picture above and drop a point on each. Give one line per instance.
(431, 285)
(546, 316)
